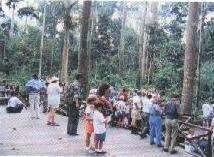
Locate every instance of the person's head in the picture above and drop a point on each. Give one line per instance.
(123, 90)
(104, 90)
(98, 105)
(91, 100)
(149, 96)
(143, 92)
(79, 77)
(35, 77)
(138, 92)
(121, 97)
(156, 100)
(13, 94)
(175, 97)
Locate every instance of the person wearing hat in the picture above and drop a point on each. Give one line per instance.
(73, 101)
(53, 92)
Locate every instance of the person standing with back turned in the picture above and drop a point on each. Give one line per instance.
(172, 111)
(73, 102)
(34, 87)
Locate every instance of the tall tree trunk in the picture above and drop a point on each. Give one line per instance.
(90, 36)
(142, 38)
(191, 55)
(83, 53)
(64, 63)
(12, 20)
(67, 24)
(151, 19)
(150, 55)
(122, 42)
(201, 41)
(42, 42)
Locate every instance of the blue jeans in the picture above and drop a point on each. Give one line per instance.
(155, 123)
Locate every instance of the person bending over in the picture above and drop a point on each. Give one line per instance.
(14, 104)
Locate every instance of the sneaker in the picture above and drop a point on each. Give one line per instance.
(165, 150)
(49, 123)
(74, 134)
(152, 143)
(91, 151)
(87, 148)
(54, 124)
(159, 145)
(173, 152)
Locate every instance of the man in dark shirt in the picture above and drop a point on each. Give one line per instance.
(172, 111)
(73, 102)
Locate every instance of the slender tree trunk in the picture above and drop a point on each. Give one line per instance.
(191, 54)
(83, 53)
(42, 42)
(12, 20)
(64, 63)
(150, 55)
(142, 44)
(67, 23)
(90, 36)
(122, 40)
(199, 55)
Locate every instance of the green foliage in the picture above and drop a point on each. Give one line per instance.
(165, 48)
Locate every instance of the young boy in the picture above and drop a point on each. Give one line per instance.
(89, 128)
(99, 127)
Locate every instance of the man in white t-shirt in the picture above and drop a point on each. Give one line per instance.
(14, 104)
(99, 127)
(147, 103)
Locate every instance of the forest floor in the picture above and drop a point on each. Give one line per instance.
(20, 135)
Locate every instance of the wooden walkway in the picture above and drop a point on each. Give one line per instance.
(20, 135)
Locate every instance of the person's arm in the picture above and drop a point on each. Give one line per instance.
(178, 107)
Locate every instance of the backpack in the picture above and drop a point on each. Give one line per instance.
(171, 110)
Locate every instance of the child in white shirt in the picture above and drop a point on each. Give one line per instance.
(99, 123)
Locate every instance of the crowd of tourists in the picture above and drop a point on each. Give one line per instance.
(141, 111)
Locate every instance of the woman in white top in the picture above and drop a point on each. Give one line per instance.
(53, 92)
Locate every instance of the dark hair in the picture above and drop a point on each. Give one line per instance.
(90, 100)
(78, 76)
(102, 89)
(35, 76)
(149, 96)
(124, 90)
(175, 96)
(98, 104)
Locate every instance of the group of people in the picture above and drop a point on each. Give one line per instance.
(141, 111)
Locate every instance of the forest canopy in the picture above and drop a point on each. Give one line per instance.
(129, 44)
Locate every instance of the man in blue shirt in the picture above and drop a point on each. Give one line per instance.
(34, 87)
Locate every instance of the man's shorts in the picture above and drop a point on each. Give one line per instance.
(100, 137)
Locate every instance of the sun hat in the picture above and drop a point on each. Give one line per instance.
(54, 79)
